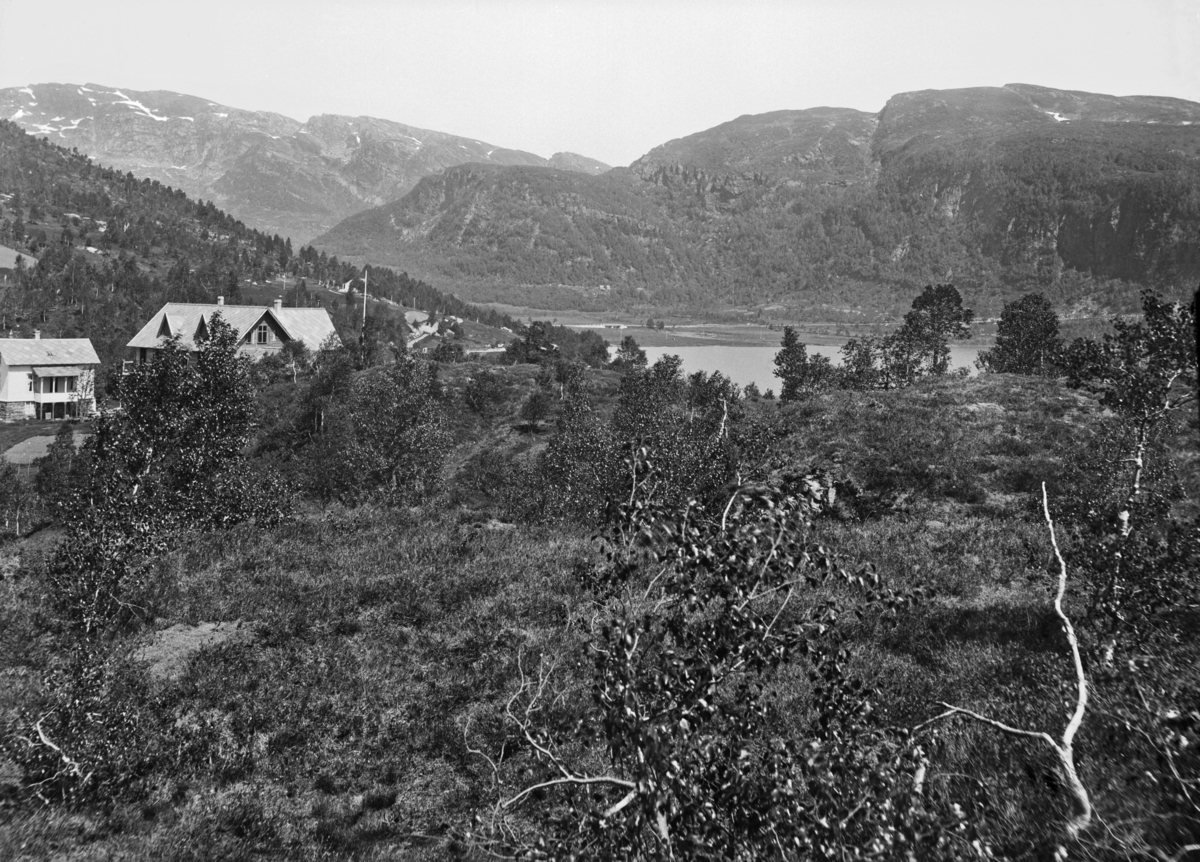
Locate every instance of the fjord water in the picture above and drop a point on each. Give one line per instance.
(752, 364)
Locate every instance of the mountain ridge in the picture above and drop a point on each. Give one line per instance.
(832, 210)
(273, 172)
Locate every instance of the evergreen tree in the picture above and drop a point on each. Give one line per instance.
(800, 373)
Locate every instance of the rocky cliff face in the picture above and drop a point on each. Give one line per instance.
(275, 173)
(1002, 189)
(1051, 180)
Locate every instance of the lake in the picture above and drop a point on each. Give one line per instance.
(748, 364)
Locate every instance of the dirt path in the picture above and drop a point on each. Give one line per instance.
(28, 451)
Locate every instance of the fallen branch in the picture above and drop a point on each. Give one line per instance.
(1082, 815)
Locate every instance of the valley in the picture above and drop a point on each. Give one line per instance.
(617, 560)
(824, 214)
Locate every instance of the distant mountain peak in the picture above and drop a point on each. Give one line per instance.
(576, 162)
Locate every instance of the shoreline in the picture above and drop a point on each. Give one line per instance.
(730, 335)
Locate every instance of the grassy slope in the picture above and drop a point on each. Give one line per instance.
(12, 433)
(337, 729)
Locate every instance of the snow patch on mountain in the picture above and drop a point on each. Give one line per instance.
(125, 100)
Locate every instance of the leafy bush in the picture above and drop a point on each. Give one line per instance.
(1027, 340)
(687, 750)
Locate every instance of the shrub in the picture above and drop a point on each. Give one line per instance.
(683, 752)
(1027, 339)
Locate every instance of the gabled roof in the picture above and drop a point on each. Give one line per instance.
(48, 351)
(309, 325)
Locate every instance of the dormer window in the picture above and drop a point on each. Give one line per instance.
(264, 333)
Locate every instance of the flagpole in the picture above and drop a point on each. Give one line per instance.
(364, 326)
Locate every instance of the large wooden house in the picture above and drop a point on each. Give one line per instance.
(261, 329)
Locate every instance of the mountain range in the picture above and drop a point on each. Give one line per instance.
(274, 173)
(826, 212)
(832, 212)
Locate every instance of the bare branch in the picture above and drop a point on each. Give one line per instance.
(625, 800)
(999, 725)
(582, 780)
(1082, 816)
(728, 506)
(1081, 679)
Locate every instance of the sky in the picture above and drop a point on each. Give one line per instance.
(609, 79)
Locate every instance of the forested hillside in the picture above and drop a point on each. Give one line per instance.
(104, 250)
(833, 213)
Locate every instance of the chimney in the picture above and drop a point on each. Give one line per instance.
(278, 303)
(220, 300)
(37, 334)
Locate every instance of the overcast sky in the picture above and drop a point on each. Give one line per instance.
(606, 78)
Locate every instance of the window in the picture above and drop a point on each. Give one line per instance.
(31, 382)
(71, 384)
(264, 333)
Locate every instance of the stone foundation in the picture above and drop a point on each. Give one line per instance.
(13, 411)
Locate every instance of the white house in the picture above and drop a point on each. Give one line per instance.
(47, 378)
(261, 329)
